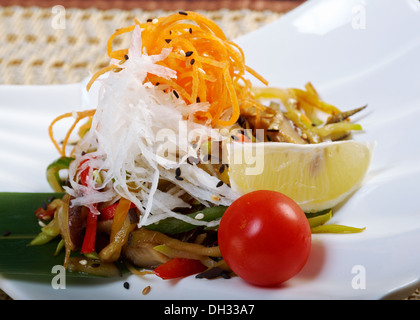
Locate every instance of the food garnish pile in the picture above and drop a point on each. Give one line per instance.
(154, 178)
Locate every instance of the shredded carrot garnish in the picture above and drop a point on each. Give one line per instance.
(98, 74)
(207, 63)
(77, 116)
(210, 68)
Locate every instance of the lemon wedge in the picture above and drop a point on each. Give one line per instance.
(316, 176)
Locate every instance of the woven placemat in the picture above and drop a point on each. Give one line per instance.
(37, 49)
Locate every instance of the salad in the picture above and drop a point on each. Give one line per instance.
(147, 170)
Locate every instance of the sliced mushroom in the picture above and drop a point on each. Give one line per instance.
(276, 125)
(63, 222)
(143, 255)
(281, 129)
(77, 223)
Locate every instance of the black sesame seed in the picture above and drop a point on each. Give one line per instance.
(192, 61)
(168, 40)
(179, 178)
(207, 157)
(222, 168)
(176, 93)
(219, 184)
(149, 20)
(193, 160)
(44, 206)
(126, 56)
(183, 13)
(178, 172)
(95, 265)
(268, 138)
(126, 285)
(198, 100)
(157, 83)
(234, 137)
(189, 53)
(190, 30)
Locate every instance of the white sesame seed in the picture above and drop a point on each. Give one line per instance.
(199, 216)
(155, 20)
(83, 262)
(182, 52)
(201, 70)
(42, 224)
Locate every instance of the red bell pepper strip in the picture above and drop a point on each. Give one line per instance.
(179, 267)
(44, 214)
(109, 212)
(84, 175)
(89, 239)
(240, 137)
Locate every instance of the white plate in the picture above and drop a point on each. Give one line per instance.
(355, 53)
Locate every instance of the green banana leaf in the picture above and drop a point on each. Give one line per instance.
(18, 226)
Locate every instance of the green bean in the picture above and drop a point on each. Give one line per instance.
(92, 255)
(52, 229)
(335, 228)
(60, 246)
(337, 129)
(317, 222)
(53, 176)
(93, 267)
(41, 238)
(320, 219)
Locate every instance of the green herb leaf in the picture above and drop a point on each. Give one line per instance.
(173, 225)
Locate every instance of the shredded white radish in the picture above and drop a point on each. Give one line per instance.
(140, 136)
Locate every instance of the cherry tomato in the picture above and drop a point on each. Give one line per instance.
(264, 237)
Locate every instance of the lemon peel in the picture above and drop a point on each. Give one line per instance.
(316, 176)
